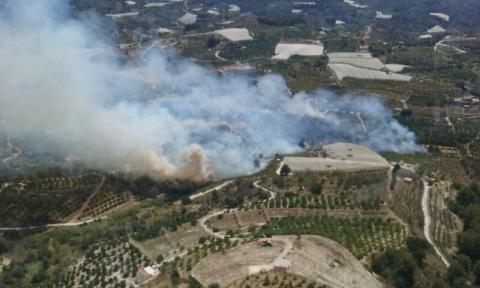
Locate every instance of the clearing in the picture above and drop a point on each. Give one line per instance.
(314, 257)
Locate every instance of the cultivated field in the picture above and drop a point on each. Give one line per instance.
(171, 244)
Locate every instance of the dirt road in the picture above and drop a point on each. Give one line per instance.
(271, 192)
(218, 187)
(14, 148)
(67, 224)
(428, 221)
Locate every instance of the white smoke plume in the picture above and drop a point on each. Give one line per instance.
(192, 124)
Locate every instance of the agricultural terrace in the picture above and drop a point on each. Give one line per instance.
(340, 201)
(349, 187)
(112, 264)
(55, 198)
(445, 224)
(171, 244)
(406, 202)
(274, 279)
(183, 264)
(360, 236)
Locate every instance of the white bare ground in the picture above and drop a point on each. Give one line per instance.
(313, 257)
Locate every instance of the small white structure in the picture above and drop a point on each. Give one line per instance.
(297, 11)
(355, 4)
(298, 3)
(122, 15)
(381, 15)
(436, 29)
(162, 30)
(441, 16)
(146, 274)
(155, 5)
(213, 12)
(339, 22)
(235, 34)
(130, 2)
(233, 8)
(283, 51)
(425, 36)
(188, 18)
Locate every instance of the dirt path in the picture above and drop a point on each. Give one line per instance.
(14, 154)
(359, 117)
(85, 204)
(67, 224)
(203, 224)
(217, 55)
(272, 193)
(404, 103)
(428, 221)
(450, 124)
(218, 187)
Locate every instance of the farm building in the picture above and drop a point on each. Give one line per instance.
(145, 274)
(338, 157)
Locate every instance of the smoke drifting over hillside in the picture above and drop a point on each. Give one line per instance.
(191, 124)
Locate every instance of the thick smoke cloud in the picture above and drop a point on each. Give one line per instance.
(165, 116)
